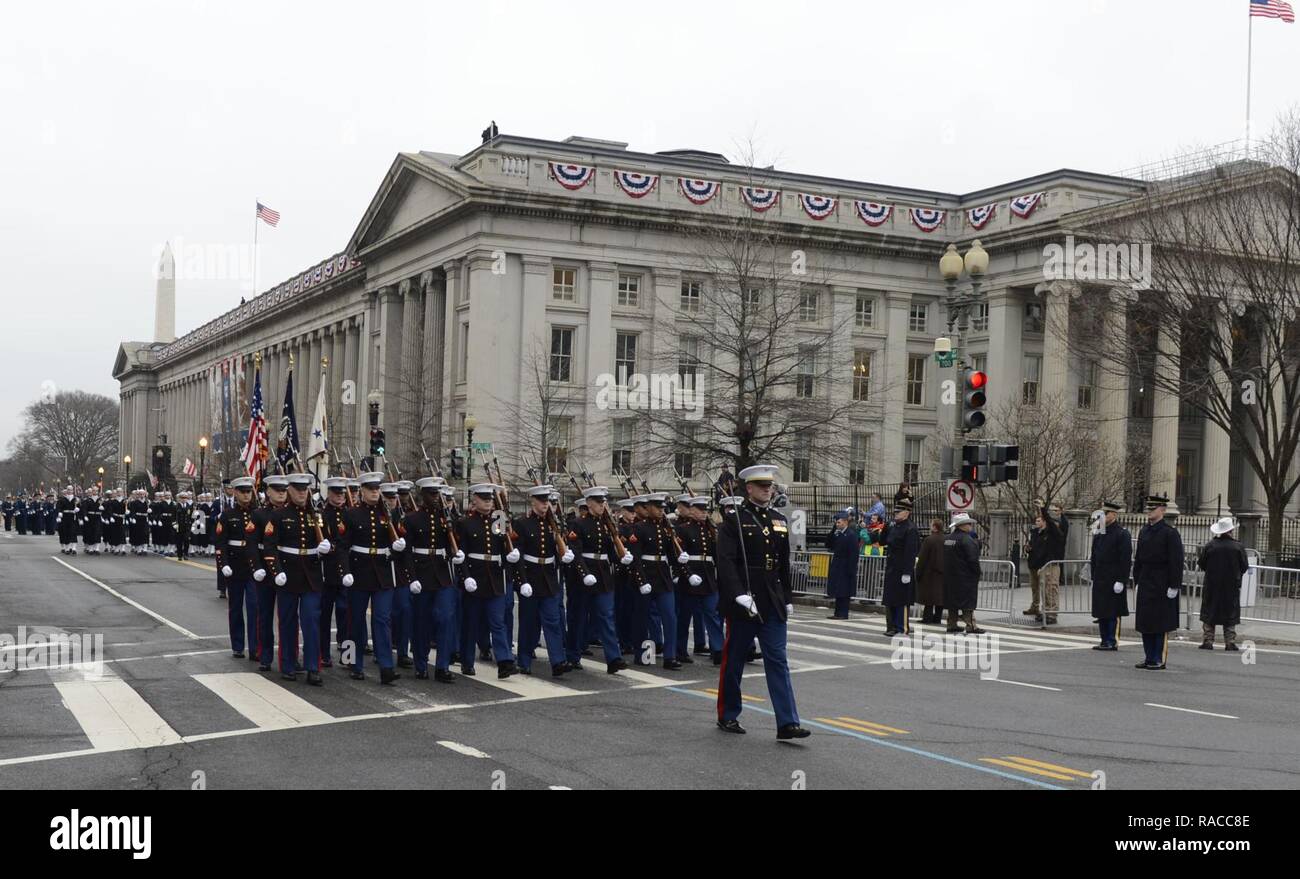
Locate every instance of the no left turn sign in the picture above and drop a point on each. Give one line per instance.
(961, 496)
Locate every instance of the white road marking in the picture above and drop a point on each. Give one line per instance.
(529, 687)
(137, 605)
(115, 717)
(464, 749)
(264, 702)
(1192, 711)
(558, 787)
(1023, 684)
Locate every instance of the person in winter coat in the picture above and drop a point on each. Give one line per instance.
(842, 578)
(1046, 545)
(929, 574)
(1223, 559)
(902, 543)
(961, 574)
(1112, 555)
(1158, 570)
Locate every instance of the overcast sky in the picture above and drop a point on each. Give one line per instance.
(125, 129)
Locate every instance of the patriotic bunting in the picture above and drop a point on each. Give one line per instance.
(1024, 205)
(819, 207)
(634, 184)
(698, 191)
(572, 176)
(927, 219)
(760, 199)
(873, 214)
(979, 217)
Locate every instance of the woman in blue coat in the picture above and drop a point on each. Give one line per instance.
(842, 578)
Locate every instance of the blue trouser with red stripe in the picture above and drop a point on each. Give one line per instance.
(289, 607)
(1154, 647)
(241, 611)
(403, 616)
(333, 608)
(664, 606)
(435, 619)
(897, 617)
(479, 611)
(381, 612)
(702, 610)
(538, 615)
(594, 614)
(740, 638)
(266, 621)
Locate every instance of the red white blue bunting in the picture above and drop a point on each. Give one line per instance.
(1024, 205)
(871, 213)
(698, 191)
(819, 207)
(634, 184)
(572, 176)
(979, 217)
(927, 219)
(759, 199)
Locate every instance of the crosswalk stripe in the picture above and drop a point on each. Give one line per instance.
(645, 680)
(265, 703)
(529, 687)
(464, 749)
(1011, 637)
(114, 716)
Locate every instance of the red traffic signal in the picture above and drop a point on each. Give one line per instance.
(974, 397)
(976, 379)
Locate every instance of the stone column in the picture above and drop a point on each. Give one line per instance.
(891, 436)
(1164, 423)
(1112, 395)
(496, 326)
(450, 345)
(1056, 341)
(839, 361)
(435, 315)
(597, 433)
(411, 371)
(1217, 445)
(1006, 325)
(347, 414)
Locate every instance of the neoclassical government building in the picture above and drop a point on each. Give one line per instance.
(464, 270)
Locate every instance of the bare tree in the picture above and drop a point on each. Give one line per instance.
(72, 434)
(1217, 329)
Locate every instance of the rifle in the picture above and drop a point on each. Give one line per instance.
(312, 515)
(392, 532)
(535, 473)
(606, 519)
(677, 544)
(444, 518)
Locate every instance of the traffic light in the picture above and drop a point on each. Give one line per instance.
(1004, 463)
(377, 441)
(974, 463)
(454, 463)
(974, 396)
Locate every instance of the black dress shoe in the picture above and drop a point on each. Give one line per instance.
(443, 675)
(1142, 665)
(327, 663)
(671, 665)
(264, 667)
(616, 666)
(717, 658)
(238, 654)
(974, 630)
(288, 676)
(889, 633)
(468, 671)
(792, 731)
(700, 651)
(526, 670)
(387, 676)
(422, 675)
(836, 617)
(1232, 648)
(485, 654)
(404, 662)
(357, 675)
(558, 670)
(504, 669)
(1206, 645)
(685, 658)
(731, 726)
(314, 679)
(1103, 647)
(952, 630)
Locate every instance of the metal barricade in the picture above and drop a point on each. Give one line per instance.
(998, 579)
(1273, 593)
(809, 570)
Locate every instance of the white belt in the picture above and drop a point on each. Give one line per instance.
(419, 550)
(699, 558)
(293, 550)
(549, 560)
(599, 556)
(485, 558)
(234, 543)
(370, 550)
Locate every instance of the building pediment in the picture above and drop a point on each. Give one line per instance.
(415, 190)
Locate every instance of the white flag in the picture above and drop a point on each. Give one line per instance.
(317, 441)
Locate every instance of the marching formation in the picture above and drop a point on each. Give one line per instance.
(115, 522)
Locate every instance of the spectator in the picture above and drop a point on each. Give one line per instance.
(842, 578)
(1224, 562)
(1046, 546)
(873, 536)
(929, 575)
(877, 507)
(904, 493)
(961, 574)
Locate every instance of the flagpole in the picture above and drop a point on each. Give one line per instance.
(1250, 39)
(255, 204)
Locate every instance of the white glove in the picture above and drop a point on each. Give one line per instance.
(512, 556)
(589, 580)
(324, 547)
(907, 578)
(645, 588)
(567, 558)
(1119, 587)
(470, 584)
(281, 578)
(458, 558)
(746, 601)
(789, 610)
(259, 575)
(1171, 593)
(399, 544)
(626, 559)
(683, 559)
(526, 591)
(694, 580)
(226, 571)
(416, 587)
(348, 579)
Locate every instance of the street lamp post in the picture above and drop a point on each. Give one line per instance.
(203, 457)
(470, 423)
(127, 462)
(101, 479)
(975, 263)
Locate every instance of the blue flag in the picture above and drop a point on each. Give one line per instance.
(286, 448)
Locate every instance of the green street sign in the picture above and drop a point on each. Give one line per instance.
(945, 358)
(481, 447)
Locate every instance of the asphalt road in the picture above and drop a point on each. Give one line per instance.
(173, 709)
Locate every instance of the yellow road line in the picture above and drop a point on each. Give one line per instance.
(1020, 767)
(190, 563)
(743, 697)
(901, 732)
(863, 729)
(1052, 766)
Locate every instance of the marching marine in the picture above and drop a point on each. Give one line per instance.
(237, 559)
(293, 546)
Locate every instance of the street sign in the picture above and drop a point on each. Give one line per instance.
(960, 496)
(481, 447)
(945, 358)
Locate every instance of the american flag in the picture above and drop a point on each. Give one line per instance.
(271, 217)
(190, 469)
(1272, 9)
(255, 451)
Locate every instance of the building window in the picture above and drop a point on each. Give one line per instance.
(623, 444)
(1033, 317)
(753, 299)
(809, 303)
(1185, 480)
(558, 434)
(462, 367)
(1032, 370)
(980, 362)
(802, 457)
(624, 356)
(1087, 383)
(629, 291)
(564, 284)
(864, 312)
(859, 455)
(692, 296)
(918, 317)
(861, 375)
(684, 457)
(688, 362)
(912, 448)
(1141, 403)
(979, 317)
(916, 379)
(806, 380)
(561, 354)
